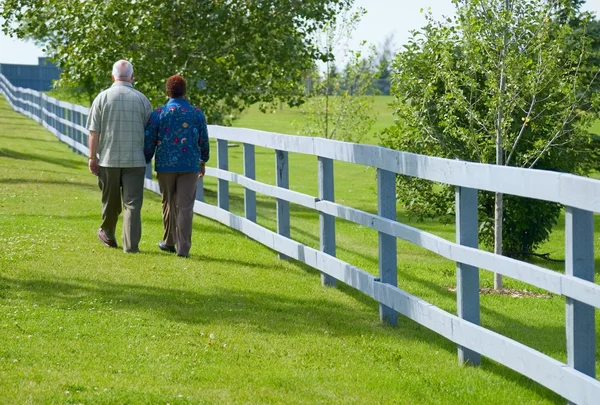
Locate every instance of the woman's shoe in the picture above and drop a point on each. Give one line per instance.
(166, 248)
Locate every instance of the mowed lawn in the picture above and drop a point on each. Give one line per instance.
(288, 120)
(81, 323)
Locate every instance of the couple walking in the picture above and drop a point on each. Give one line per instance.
(125, 134)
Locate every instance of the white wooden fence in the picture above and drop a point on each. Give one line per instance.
(575, 381)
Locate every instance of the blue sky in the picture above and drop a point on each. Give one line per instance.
(384, 17)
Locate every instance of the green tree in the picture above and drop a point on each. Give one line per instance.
(233, 53)
(500, 83)
(384, 65)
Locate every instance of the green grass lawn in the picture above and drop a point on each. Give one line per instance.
(233, 324)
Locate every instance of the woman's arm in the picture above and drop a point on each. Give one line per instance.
(203, 142)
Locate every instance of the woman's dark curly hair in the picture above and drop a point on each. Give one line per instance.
(176, 87)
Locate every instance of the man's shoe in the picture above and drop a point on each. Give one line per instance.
(186, 255)
(166, 248)
(104, 239)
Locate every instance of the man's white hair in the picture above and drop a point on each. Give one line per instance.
(122, 69)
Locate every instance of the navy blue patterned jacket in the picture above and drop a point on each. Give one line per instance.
(177, 133)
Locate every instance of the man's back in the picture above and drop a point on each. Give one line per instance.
(119, 114)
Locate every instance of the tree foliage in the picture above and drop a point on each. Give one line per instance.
(451, 102)
(233, 52)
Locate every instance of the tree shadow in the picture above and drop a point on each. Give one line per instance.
(29, 138)
(507, 325)
(268, 313)
(12, 154)
(49, 182)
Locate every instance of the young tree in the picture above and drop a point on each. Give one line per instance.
(232, 53)
(503, 82)
(341, 107)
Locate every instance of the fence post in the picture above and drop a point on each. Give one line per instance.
(54, 118)
(63, 127)
(223, 164)
(54, 122)
(200, 189)
(467, 277)
(69, 116)
(57, 123)
(85, 136)
(76, 132)
(81, 124)
(250, 172)
(388, 260)
(580, 322)
(283, 207)
(149, 171)
(40, 100)
(42, 104)
(326, 221)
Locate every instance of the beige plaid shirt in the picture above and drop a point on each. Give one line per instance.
(119, 114)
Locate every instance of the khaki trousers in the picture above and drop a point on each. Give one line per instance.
(122, 190)
(178, 191)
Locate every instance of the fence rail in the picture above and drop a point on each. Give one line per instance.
(575, 380)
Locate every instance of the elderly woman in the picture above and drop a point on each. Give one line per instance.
(177, 134)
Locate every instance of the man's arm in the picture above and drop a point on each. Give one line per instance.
(93, 150)
(94, 125)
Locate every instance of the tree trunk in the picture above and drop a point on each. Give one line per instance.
(327, 84)
(499, 200)
(498, 207)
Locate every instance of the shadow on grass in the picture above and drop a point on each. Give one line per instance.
(21, 123)
(12, 154)
(544, 339)
(259, 311)
(50, 182)
(268, 312)
(265, 205)
(241, 264)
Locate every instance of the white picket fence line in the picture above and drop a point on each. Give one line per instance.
(575, 381)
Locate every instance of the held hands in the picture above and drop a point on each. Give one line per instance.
(93, 166)
(202, 170)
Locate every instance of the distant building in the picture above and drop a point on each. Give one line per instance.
(37, 77)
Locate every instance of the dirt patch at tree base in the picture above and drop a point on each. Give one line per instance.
(509, 292)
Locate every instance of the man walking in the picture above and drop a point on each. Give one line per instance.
(116, 155)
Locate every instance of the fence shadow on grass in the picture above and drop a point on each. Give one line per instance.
(13, 154)
(29, 138)
(263, 312)
(49, 182)
(547, 341)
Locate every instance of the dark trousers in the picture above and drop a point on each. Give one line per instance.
(122, 190)
(178, 191)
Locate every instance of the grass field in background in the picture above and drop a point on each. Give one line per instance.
(233, 324)
(283, 120)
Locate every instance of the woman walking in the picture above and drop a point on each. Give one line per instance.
(176, 132)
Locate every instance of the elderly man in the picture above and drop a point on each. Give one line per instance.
(116, 155)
